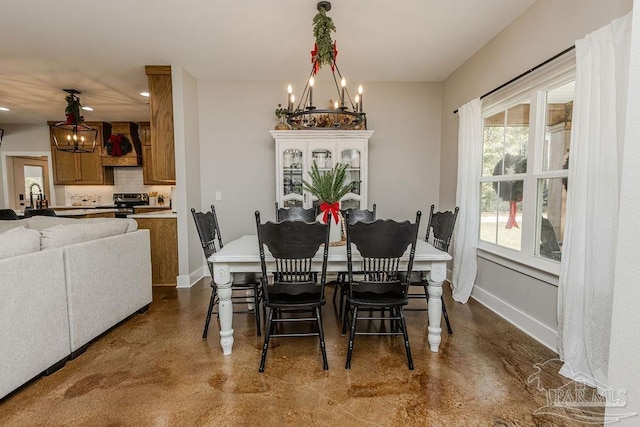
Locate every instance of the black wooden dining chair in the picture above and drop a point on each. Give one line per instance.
(296, 213)
(243, 283)
(295, 290)
(439, 233)
(8, 214)
(28, 213)
(381, 244)
(354, 215)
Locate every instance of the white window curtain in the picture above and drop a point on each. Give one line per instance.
(465, 240)
(585, 291)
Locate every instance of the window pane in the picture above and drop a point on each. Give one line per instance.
(501, 214)
(557, 139)
(506, 135)
(552, 202)
(33, 175)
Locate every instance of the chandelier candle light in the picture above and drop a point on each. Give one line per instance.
(345, 114)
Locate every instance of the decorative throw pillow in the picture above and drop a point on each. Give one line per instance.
(8, 224)
(19, 241)
(68, 234)
(41, 223)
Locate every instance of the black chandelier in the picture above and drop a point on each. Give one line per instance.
(73, 135)
(345, 112)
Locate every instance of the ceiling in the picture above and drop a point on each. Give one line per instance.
(101, 47)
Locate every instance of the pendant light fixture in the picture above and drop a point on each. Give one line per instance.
(344, 112)
(73, 135)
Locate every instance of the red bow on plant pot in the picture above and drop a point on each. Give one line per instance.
(334, 208)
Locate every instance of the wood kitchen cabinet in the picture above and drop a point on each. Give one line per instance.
(164, 248)
(160, 152)
(82, 168)
(144, 130)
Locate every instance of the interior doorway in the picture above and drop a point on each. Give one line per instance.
(28, 178)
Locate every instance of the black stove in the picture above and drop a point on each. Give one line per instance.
(125, 202)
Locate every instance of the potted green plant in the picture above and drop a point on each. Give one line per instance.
(329, 186)
(281, 114)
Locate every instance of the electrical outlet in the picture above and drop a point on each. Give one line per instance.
(218, 195)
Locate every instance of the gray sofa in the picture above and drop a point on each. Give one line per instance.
(64, 282)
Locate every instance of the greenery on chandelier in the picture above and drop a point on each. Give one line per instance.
(72, 111)
(281, 111)
(322, 28)
(329, 186)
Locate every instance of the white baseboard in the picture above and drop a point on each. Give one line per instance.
(535, 329)
(188, 280)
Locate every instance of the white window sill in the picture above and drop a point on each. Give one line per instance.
(546, 271)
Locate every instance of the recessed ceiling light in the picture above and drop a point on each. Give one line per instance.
(85, 108)
(4, 109)
(145, 94)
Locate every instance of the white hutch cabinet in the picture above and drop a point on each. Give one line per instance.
(296, 150)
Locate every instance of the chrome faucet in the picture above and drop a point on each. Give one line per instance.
(39, 196)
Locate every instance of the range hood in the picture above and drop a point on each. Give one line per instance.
(129, 131)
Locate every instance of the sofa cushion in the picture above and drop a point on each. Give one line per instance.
(41, 223)
(19, 241)
(68, 234)
(8, 224)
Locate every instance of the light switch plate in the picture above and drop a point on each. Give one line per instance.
(218, 195)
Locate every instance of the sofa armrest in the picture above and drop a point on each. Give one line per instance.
(34, 325)
(107, 280)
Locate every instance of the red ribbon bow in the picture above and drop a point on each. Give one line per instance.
(513, 209)
(334, 208)
(116, 145)
(335, 56)
(314, 59)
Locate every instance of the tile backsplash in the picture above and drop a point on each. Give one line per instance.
(126, 180)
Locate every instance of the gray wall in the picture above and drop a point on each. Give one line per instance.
(238, 153)
(545, 29)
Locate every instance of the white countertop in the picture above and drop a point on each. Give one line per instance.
(167, 207)
(82, 211)
(74, 212)
(93, 207)
(157, 214)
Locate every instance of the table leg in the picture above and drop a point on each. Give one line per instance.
(435, 277)
(225, 308)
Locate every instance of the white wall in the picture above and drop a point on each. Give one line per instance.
(624, 369)
(188, 183)
(25, 139)
(237, 151)
(545, 29)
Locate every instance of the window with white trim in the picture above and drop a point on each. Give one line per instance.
(523, 187)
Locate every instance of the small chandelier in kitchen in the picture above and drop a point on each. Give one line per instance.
(73, 135)
(343, 111)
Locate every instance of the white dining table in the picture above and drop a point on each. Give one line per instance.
(242, 256)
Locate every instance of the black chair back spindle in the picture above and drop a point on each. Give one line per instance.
(296, 213)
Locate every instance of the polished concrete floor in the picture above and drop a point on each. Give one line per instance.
(155, 370)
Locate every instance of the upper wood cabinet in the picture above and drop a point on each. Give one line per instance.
(161, 168)
(144, 130)
(82, 168)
